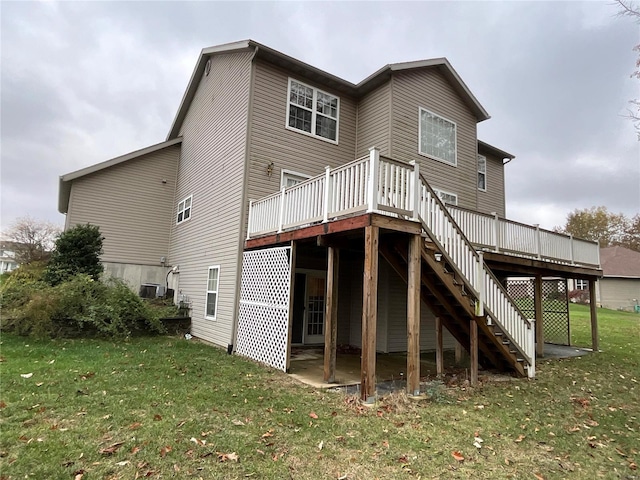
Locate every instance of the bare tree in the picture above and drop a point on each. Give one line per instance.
(31, 240)
(630, 9)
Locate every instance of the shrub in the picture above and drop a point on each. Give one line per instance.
(77, 250)
(80, 306)
(579, 296)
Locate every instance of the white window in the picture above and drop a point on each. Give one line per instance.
(447, 198)
(184, 210)
(312, 111)
(212, 292)
(482, 173)
(289, 178)
(582, 285)
(437, 137)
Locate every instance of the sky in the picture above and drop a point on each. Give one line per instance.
(83, 82)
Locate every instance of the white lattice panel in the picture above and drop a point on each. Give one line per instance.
(263, 323)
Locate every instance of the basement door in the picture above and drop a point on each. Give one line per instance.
(263, 319)
(309, 307)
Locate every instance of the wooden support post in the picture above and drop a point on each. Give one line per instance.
(413, 316)
(369, 314)
(538, 313)
(331, 316)
(473, 334)
(292, 282)
(439, 353)
(593, 307)
(459, 353)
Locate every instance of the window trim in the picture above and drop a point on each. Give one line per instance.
(581, 284)
(184, 209)
(284, 172)
(439, 191)
(313, 112)
(455, 136)
(482, 172)
(216, 291)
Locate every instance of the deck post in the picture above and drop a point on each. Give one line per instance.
(496, 231)
(538, 243)
(369, 314)
(538, 314)
(413, 316)
(327, 194)
(571, 246)
(281, 215)
(331, 316)
(473, 344)
(416, 190)
(480, 285)
(439, 353)
(249, 226)
(292, 283)
(372, 187)
(593, 308)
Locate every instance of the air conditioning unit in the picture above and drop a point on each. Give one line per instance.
(152, 290)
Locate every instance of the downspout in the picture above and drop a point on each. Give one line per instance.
(243, 208)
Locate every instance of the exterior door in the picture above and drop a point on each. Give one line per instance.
(314, 309)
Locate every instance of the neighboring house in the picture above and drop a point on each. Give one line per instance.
(7, 257)
(619, 287)
(268, 174)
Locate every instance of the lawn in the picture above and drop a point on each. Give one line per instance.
(170, 408)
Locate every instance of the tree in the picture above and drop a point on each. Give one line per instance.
(31, 240)
(630, 9)
(77, 250)
(607, 228)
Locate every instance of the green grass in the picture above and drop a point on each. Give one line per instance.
(170, 408)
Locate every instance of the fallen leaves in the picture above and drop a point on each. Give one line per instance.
(111, 449)
(313, 415)
(520, 438)
(164, 450)
(26, 375)
(457, 456)
(227, 457)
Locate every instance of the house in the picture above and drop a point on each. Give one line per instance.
(278, 182)
(619, 287)
(7, 257)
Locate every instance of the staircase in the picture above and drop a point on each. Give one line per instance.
(458, 287)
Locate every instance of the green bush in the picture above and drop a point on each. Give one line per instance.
(77, 250)
(78, 306)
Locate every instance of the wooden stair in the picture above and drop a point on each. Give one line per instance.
(450, 298)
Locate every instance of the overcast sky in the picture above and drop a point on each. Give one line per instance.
(83, 82)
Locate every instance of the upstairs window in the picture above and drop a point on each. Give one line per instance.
(437, 137)
(447, 198)
(482, 173)
(312, 111)
(184, 210)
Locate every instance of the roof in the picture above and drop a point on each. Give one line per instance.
(64, 189)
(496, 152)
(620, 262)
(320, 76)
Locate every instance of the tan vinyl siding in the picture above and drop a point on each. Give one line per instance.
(211, 169)
(288, 149)
(429, 89)
(374, 121)
(493, 199)
(131, 205)
(618, 293)
(397, 319)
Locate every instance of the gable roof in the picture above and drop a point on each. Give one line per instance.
(620, 262)
(320, 76)
(64, 188)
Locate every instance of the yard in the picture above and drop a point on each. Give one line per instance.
(171, 408)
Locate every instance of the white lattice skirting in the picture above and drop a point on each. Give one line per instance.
(263, 323)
